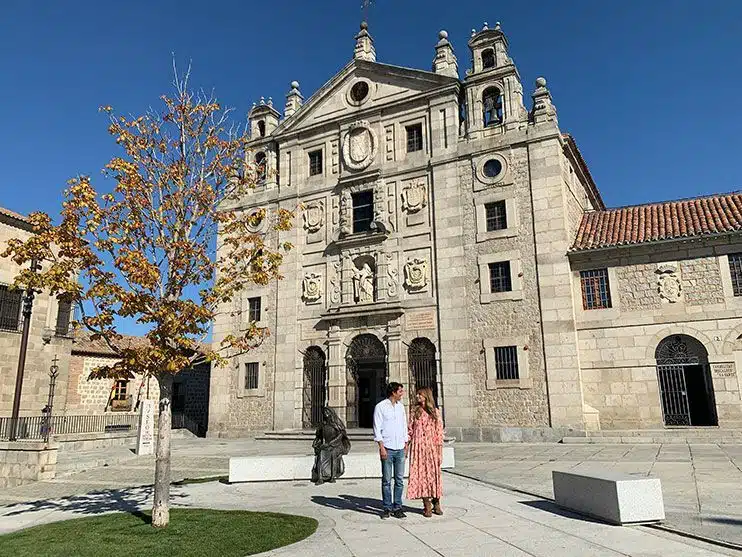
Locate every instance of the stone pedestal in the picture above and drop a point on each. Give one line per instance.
(146, 435)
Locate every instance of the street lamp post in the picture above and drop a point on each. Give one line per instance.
(27, 308)
(47, 420)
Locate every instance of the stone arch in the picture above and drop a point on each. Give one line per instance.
(731, 341)
(488, 59)
(493, 106)
(260, 165)
(366, 377)
(658, 337)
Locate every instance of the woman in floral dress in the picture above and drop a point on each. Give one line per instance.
(426, 453)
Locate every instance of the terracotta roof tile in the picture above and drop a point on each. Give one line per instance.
(670, 220)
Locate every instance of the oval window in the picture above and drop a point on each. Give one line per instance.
(492, 168)
(359, 91)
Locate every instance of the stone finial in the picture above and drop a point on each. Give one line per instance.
(294, 100)
(262, 100)
(364, 49)
(473, 32)
(543, 107)
(270, 101)
(497, 26)
(485, 27)
(445, 62)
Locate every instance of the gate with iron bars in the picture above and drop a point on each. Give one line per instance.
(315, 387)
(423, 366)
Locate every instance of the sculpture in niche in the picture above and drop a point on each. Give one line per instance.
(359, 146)
(312, 287)
(363, 283)
(416, 273)
(314, 216)
(414, 197)
(669, 286)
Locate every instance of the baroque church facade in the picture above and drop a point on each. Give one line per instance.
(448, 235)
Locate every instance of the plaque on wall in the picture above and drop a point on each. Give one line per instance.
(420, 320)
(725, 369)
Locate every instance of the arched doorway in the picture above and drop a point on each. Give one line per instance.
(684, 378)
(366, 375)
(315, 386)
(423, 367)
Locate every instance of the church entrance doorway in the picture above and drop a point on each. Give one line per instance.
(684, 377)
(367, 377)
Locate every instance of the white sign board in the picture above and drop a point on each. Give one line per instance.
(146, 437)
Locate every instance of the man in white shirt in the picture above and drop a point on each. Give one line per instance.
(390, 432)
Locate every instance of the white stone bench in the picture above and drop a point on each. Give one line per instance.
(614, 497)
(277, 468)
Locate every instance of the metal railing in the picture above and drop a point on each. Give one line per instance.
(40, 428)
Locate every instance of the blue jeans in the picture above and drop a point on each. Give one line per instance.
(392, 466)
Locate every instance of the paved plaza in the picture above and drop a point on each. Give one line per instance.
(480, 519)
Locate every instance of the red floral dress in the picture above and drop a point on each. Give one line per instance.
(426, 453)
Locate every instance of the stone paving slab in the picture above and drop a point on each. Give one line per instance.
(478, 521)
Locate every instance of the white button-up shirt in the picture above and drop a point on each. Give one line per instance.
(390, 424)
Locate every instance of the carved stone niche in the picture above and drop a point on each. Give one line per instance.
(313, 218)
(416, 274)
(414, 201)
(363, 270)
(311, 288)
(669, 285)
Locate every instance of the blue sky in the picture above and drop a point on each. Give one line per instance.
(648, 89)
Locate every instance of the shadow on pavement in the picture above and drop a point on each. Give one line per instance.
(95, 502)
(363, 505)
(553, 508)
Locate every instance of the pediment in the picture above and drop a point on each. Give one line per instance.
(386, 85)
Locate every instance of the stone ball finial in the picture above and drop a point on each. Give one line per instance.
(364, 26)
(443, 34)
(540, 82)
(485, 27)
(262, 100)
(473, 32)
(294, 84)
(270, 101)
(497, 26)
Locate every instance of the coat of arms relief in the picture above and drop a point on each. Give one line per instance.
(314, 216)
(414, 198)
(360, 146)
(311, 287)
(669, 286)
(416, 274)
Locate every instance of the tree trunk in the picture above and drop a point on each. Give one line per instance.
(161, 506)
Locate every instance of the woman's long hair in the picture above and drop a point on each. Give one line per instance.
(428, 403)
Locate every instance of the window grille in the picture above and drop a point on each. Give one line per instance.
(506, 363)
(500, 277)
(596, 293)
(414, 138)
(496, 216)
(252, 375)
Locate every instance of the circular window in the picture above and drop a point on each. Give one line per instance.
(492, 168)
(359, 91)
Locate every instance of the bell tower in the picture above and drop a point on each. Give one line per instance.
(494, 93)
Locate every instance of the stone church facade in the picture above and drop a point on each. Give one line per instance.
(449, 236)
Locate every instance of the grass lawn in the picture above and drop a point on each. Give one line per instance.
(192, 532)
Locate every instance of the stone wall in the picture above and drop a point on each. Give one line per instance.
(25, 462)
(702, 284)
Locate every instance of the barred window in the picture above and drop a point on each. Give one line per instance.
(735, 269)
(500, 277)
(496, 216)
(64, 313)
(363, 211)
(506, 363)
(596, 293)
(414, 138)
(252, 375)
(10, 308)
(254, 309)
(315, 163)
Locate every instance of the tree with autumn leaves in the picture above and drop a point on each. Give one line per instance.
(168, 247)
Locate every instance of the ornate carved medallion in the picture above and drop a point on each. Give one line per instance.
(669, 286)
(312, 287)
(360, 146)
(416, 273)
(314, 216)
(414, 197)
(257, 221)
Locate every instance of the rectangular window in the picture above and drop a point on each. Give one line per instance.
(506, 363)
(10, 308)
(120, 389)
(414, 138)
(64, 312)
(596, 293)
(252, 371)
(500, 277)
(254, 309)
(179, 397)
(735, 269)
(315, 163)
(496, 216)
(363, 211)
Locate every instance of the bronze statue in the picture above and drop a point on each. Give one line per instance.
(330, 444)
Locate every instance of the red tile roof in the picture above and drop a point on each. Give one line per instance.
(642, 224)
(15, 219)
(83, 344)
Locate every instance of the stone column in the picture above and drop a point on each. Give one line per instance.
(394, 355)
(336, 384)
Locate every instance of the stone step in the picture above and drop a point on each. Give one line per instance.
(661, 440)
(308, 435)
(670, 432)
(80, 461)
